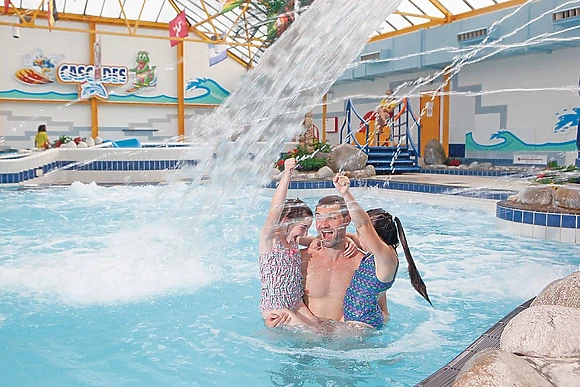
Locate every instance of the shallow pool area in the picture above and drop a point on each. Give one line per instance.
(140, 285)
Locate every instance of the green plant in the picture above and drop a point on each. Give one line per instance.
(306, 160)
(311, 164)
(62, 140)
(552, 164)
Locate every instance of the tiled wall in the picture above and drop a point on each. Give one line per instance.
(537, 224)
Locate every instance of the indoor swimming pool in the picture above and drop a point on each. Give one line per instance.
(141, 286)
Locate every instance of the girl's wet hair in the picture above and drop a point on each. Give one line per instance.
(295, 209)
(390, 230)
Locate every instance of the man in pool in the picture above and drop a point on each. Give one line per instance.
(327, 271)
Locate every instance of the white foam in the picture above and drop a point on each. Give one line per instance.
(359, 354)
(128, 267)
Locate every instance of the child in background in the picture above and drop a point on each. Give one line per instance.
(41, 140)
(386, 113)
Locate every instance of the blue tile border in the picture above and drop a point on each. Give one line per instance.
(95, 165)
(467, 172)
(537, 218)
(403, 186)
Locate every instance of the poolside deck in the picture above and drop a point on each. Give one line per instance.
(507, 183)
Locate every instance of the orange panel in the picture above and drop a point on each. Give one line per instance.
(430, 118)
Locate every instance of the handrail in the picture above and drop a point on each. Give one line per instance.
(316, 132)
(405, 108)
(348, 121)
(410, 110)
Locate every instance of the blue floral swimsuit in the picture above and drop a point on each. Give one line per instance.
(360, 302)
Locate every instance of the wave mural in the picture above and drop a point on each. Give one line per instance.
(567, 120)
(214, 94)
(210, 88)
(511, 143)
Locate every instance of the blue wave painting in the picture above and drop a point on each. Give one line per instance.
(47, 95)
(511, 143)
(210, 87)
(214, 94)
(567, 120)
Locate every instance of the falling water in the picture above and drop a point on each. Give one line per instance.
(291, 77)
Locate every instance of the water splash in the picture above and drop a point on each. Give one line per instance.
(290, 79)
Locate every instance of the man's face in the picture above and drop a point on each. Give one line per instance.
(331, 225)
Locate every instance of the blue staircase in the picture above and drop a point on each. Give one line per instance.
(389, 160)
(386, 159)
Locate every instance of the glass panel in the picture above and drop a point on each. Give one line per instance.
(77, 7)
(59, 4)
(385, 27)
(409, 8)
(167, 13)
(132, 8)
(151, 10)
(480, 3)
(31, 4)
(428, 7)
(94, 7)
(455, 6)
(111, 9)
(398, 22)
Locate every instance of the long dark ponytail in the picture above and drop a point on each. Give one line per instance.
(414, 275)
(390, 230)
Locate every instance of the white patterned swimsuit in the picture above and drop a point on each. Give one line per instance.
(281, 278)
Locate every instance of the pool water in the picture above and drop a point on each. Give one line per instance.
(139, 286)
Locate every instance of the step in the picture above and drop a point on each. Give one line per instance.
(397, 169)
(388, 162)
(388, 166)
(387, 148)
(389, 156)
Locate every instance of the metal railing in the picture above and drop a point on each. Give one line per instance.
(400, 125)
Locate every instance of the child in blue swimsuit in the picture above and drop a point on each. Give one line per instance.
(378, 268)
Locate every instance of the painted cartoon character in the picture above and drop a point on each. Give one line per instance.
(38, 69)
(144, 73)
(45, 64)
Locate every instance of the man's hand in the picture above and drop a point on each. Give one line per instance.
(350, 248)
(289, 165)
(277, 319)
(341, 183)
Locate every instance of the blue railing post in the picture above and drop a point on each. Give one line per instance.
(349, 110)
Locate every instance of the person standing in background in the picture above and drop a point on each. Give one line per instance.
(41, 140)
(385, 115)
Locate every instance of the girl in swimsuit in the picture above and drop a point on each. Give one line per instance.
(378, 268)
(280, 262)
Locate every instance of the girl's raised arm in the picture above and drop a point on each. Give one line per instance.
(269, 229)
